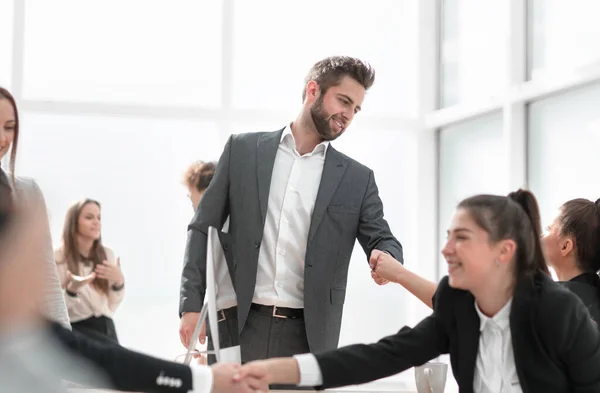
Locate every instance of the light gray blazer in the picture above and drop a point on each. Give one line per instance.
(27, 191)
(347, 208)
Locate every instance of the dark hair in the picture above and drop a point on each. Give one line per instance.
(7, 214)
(329, 71)
(515, 217)
(6, 207)
(580, 219)
(5, 95)
(200, 174)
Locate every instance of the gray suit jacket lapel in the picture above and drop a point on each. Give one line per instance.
(333, 170)
(266, 150)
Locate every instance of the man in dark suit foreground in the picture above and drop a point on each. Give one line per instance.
(296, 207)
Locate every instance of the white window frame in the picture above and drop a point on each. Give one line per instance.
(513, 103)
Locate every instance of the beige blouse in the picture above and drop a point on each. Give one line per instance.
(89, 302)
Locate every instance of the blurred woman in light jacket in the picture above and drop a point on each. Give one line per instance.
(89, 272)
(26, 193)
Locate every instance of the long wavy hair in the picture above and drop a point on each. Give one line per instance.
(71, 253)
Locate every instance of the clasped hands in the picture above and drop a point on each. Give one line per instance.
(252, 377)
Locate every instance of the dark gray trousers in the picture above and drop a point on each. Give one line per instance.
(264, 337)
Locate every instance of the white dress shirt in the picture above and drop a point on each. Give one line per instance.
(202, 378)
(495, 370)
(294, 186)
(225, 294)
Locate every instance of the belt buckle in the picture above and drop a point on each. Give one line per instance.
(221, 315)
(275, 315)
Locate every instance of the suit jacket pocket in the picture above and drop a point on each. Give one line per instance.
(338, 295)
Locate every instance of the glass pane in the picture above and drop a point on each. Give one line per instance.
(564, 142)
(128, 51)
(134, 167)
(472, 161)
(564, 35)
(473, 50)
(6, 42)
(274, 54)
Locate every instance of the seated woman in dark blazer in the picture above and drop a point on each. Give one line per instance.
(571, 245)
(506, 325)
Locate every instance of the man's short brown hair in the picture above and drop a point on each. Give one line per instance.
(329, 71)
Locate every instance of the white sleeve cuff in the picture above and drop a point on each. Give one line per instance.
(202, 378)
(310, 372)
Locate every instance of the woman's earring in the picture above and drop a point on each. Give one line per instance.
(497, 262)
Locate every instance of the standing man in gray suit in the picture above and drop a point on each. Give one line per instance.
(296, 207)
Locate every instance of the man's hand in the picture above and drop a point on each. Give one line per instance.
(224, 380)
(271, 371)
(373, 260)
(384, 267)
(187, 326)
(258, 369)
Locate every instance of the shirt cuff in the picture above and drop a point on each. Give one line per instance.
(202, 378)
(310, 372)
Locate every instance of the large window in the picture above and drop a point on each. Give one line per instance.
(271, 55)
(474, 37)
(564, 36)
(544, 135)
(6, 42)
(132, 52)
(564, 148)
(472, 161)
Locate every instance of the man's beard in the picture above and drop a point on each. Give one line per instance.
(321, 121)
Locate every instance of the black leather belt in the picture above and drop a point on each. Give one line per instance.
(278, 312)
(228, 313)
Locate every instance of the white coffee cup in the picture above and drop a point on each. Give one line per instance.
(431, 377)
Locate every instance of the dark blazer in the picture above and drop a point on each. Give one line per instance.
(347, 208)
(587, 287)
(556, 344)
(123, 369)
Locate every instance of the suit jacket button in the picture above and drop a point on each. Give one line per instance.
(225, 247)
(256, 244)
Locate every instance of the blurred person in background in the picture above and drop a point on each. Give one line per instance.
(89, 272)
(25, 192)
(197, 178)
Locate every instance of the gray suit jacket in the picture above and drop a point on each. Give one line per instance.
(347, 208)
